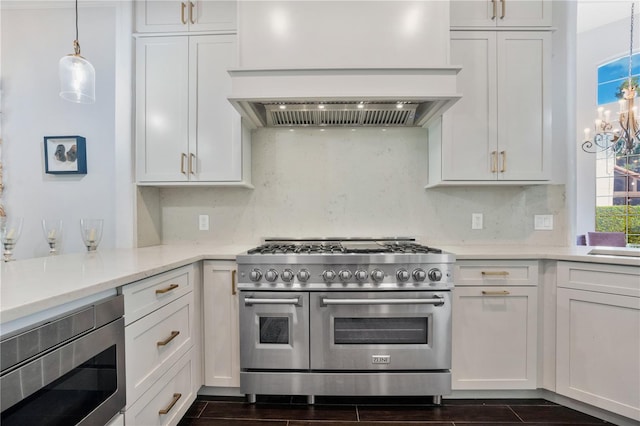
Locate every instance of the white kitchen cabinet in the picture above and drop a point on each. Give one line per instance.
(194, 15)
(500, 131)
(500, 13)
(221, 325)
(495, 326)
(186, 130)
(162, 360)
(598, 336)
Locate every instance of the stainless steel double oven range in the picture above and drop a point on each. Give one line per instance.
(345, 317)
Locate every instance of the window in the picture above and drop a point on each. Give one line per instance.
(617, 175)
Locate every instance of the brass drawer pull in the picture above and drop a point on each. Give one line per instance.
(167, 289)
(494, 161)
(176, 397)
(233, 282)
(182, 6)
(495, 273)
(191, 158)
(504, 8)
(495, 293)
(495, 8)
(191, 6)
(183, 157)
(504, 161)
(166, 341)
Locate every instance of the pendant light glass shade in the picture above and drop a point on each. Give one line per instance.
(77, 79)
(77, 75)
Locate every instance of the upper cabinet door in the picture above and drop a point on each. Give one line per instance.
(215, 137)
(524, 105)
(162, 102)
(181, 16)
(500, 13)
(469, 127)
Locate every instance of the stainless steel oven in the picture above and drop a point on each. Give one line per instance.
(381, 330)
(345, 317)
(68, 370)
(275, 333)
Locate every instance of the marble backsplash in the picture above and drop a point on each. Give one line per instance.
(343, 182)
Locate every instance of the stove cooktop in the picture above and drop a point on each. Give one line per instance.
(360, 246)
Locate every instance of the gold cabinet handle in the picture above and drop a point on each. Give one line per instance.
(183, 5)
(191, 6)
(183, 157)
(495, 293)
(176, 397)
(504, 161)
(494, 161)
(495, 273)
(191, 168)
(233, 282)
(167, 289)
(504, 8)
(495, 8)
(166, 341)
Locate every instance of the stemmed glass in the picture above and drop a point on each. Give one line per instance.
(91, 231)
(10, 230)
(52, 229)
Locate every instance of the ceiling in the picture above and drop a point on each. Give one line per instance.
(595, 13)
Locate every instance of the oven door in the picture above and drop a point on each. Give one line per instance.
(381, 330)
(274, 330)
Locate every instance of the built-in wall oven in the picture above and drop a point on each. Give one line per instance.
(345, 318)
(67, 370)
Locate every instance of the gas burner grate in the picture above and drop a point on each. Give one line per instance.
(337, 247)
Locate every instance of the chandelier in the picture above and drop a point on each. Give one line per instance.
(624, 140)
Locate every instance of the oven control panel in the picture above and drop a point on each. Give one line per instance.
(346, 277)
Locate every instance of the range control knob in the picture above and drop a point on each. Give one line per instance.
(435, 274)
(255, 275)
(402, 275)
(361, 275)
(329, 275)
(303, 275)
(419, 274)
(344, 275)
(287, 275)
(377, 275)
(271, 275)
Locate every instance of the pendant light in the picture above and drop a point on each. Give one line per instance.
(77, 75)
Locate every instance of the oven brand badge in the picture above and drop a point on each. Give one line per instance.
(380, 359)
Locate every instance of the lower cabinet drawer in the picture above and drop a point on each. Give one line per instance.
(496, 272)
(155, 342)
(166, 402)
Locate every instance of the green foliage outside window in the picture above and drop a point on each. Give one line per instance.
(619, 219)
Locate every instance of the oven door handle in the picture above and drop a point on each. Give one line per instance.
(436, 300)
(257, 301)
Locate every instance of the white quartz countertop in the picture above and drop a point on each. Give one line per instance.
(34, 285)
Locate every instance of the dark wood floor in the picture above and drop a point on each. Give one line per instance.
(394, 411)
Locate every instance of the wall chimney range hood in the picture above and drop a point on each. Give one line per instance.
(343, 97)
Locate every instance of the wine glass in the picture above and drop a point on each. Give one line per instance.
(10, 230)
(52, 229)
(91, 231)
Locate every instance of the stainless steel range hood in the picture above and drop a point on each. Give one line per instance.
(343, 97)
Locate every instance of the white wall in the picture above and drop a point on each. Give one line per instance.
(35, 35)
(356, 183)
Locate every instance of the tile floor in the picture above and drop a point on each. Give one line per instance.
(394, 411)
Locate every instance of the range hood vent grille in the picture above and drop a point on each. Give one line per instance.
(340, 114)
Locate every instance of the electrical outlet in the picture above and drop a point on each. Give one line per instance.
(543, 222)
(203, 222)
(476, 220)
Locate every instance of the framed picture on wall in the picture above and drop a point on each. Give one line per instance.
(65, 155)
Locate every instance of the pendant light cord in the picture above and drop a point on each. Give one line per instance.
(76, 43)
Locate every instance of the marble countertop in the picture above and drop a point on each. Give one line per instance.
(34, 285)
